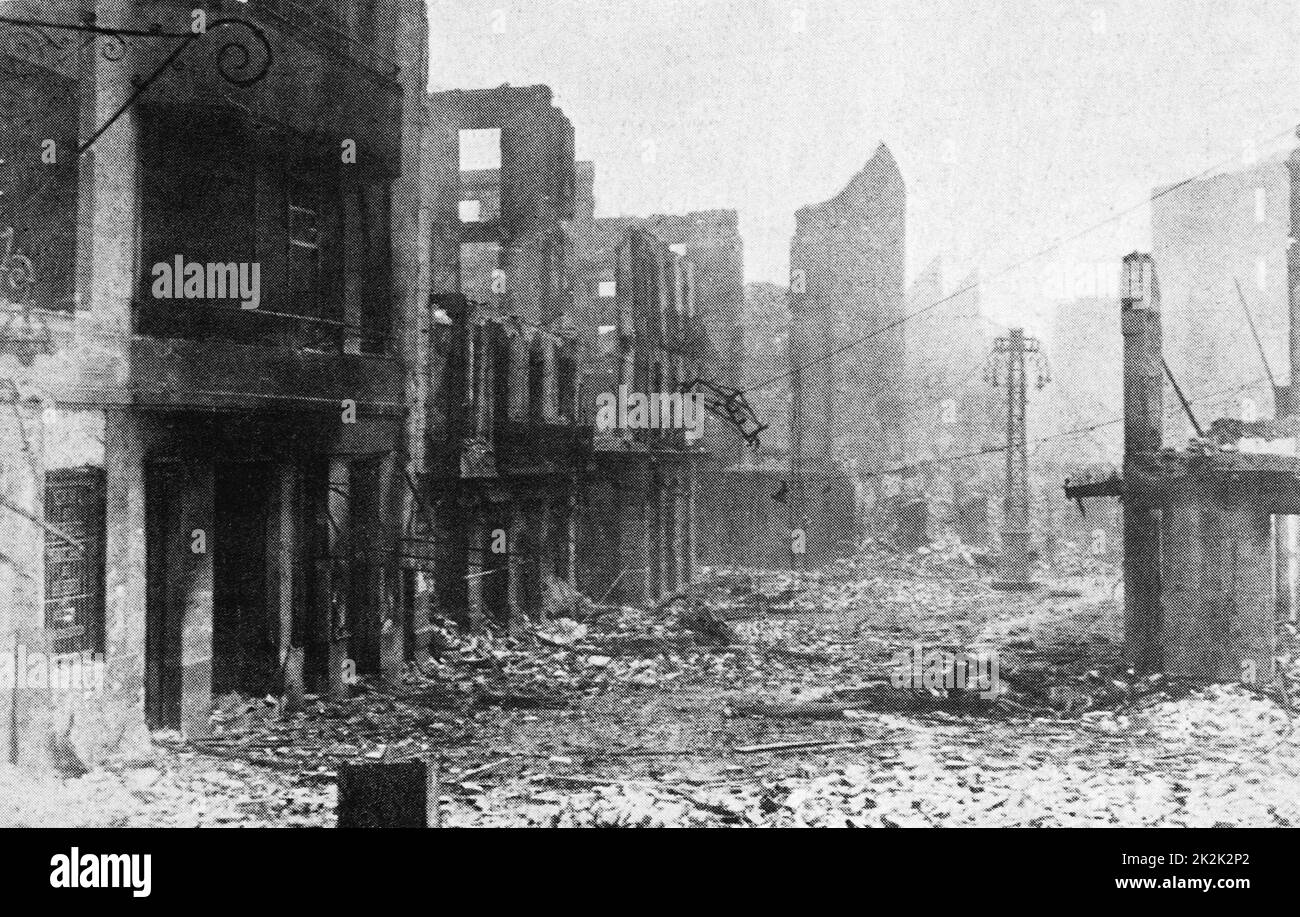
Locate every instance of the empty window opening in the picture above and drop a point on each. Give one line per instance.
(479, 162)
(480, 149)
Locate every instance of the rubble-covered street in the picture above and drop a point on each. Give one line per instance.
(758, 700)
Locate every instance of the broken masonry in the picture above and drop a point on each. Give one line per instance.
(1198, 543)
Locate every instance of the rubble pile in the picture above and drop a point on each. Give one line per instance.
(1072, 559)
(760, 699)
(1219, 756)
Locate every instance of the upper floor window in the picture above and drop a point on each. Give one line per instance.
(198, 185)
(278, 212)
(478, 157)
(38, 174)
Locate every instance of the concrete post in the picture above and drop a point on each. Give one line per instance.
(678, 534)
(124, 586)
(476, 565)
(193, 555)
(282, 586)
(1143, 435)
(1215, 576)
(692, 505)
(517, 565)
(339, 502)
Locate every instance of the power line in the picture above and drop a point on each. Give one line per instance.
(1057, 243)
(1079, 431)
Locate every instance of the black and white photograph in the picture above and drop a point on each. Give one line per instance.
(433, 414)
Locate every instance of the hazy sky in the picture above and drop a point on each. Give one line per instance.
(1014, 123)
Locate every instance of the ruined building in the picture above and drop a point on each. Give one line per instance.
(204, 472)
(1198, 543)
(1208, 236)
(767, 366)
(638, 531)
(950, 409)
(710, 243)
(636, 300)
(506, 443)
(846, 284)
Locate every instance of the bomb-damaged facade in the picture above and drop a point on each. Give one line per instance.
(204, 495)
(545, 320)
(305, 364)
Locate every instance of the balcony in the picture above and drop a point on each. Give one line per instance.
(526, 448)
(246, 371)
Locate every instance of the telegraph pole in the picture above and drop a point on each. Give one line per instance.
(1013, 567)
(795, 495)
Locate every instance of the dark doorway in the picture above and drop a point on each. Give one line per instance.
(163, 539)
(244, 653)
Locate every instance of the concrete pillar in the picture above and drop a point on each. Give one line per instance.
(481, 380)
(520, 563)
(692, 508)
(284, 588)
(477, 567)
(569, 530)
(124, 581)
(680, 561)
(392, 498)
(550, 382)
(1143, 435)
(518, 388)
(649, 541)
(191, 552)
(667, 523)
(338, 583)
(1216, 582)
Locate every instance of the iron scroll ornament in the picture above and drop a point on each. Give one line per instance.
(24, 333)
(238, 62)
